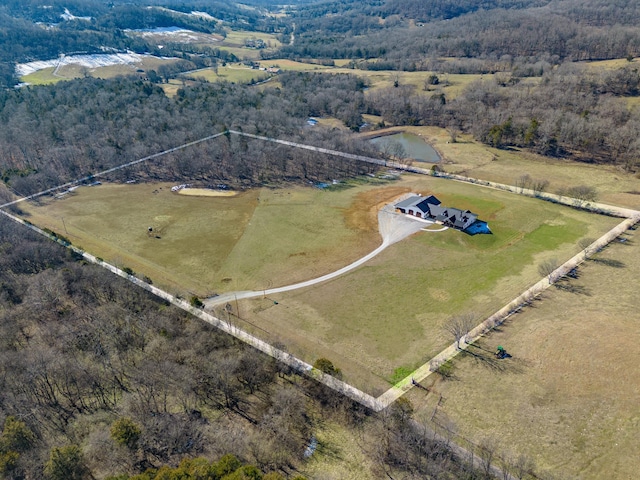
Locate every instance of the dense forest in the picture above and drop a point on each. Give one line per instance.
(50, 135)
(531, 29)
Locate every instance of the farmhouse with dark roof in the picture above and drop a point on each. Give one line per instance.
(430, 208)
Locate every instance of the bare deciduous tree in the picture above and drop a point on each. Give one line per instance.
(459, 326)
(548, 268)
(585, 245)
(524, 182)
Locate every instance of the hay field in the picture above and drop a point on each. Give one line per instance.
(256, 239)
(234, 73)
(568, 398)
(471, 158)
(389, 314)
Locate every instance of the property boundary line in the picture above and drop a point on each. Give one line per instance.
(631, 216)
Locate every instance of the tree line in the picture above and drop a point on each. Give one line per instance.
(53, 134)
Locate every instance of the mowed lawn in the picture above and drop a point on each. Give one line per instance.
(389, 313)
(206, 245)
(568, 398)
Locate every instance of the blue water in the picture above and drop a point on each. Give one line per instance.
(414, 146)
(478, 227)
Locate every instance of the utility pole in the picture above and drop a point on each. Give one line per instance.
(64, 225)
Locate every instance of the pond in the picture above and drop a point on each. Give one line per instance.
(413, 146)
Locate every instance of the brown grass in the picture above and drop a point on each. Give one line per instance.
(471, 158)
(568, 397)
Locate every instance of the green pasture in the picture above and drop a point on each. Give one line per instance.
(386, 315)
(235, 73)
(389, 313)
(238, 38)
(42, 77)
(567, 399)
(257, 239)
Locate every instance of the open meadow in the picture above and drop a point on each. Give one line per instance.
(471, 158)
(205, 245)
(234, 73)
(384, 319)
(377, 322)
(567, 398)
(52, 75)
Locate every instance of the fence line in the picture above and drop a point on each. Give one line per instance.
(391, 395)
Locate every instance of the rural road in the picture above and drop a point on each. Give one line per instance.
(393, 228)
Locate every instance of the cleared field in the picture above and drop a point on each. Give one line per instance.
(69, 72)
(382, 317)
(239, 37)
(568, 398)
(388, 315)
(42, 77)
(257, 239)
(285, 64)
(471, 158)
(611, 64)
(450, 84)
(231, 73)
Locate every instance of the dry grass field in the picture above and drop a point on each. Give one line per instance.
(393, 312)
(285, 65)
(568, 398)
(471, 158)
(388, 314)
(234, 73)
(257, 239)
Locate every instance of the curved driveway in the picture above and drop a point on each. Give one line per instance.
(393, 227)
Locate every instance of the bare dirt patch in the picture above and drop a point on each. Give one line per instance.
(363, 212)
(206, 192)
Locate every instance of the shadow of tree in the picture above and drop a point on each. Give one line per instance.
(569, 287)
(487, 359)
(609, 262)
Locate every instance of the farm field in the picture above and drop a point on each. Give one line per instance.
(385, 318)
(71, 71)
(389, 322)
(257, 239)
(473, 159)
(568, 397)
(235, 73)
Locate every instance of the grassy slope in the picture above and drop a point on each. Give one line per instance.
(471, 158)
(260, 238)
(389, 313)
(568, 397)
